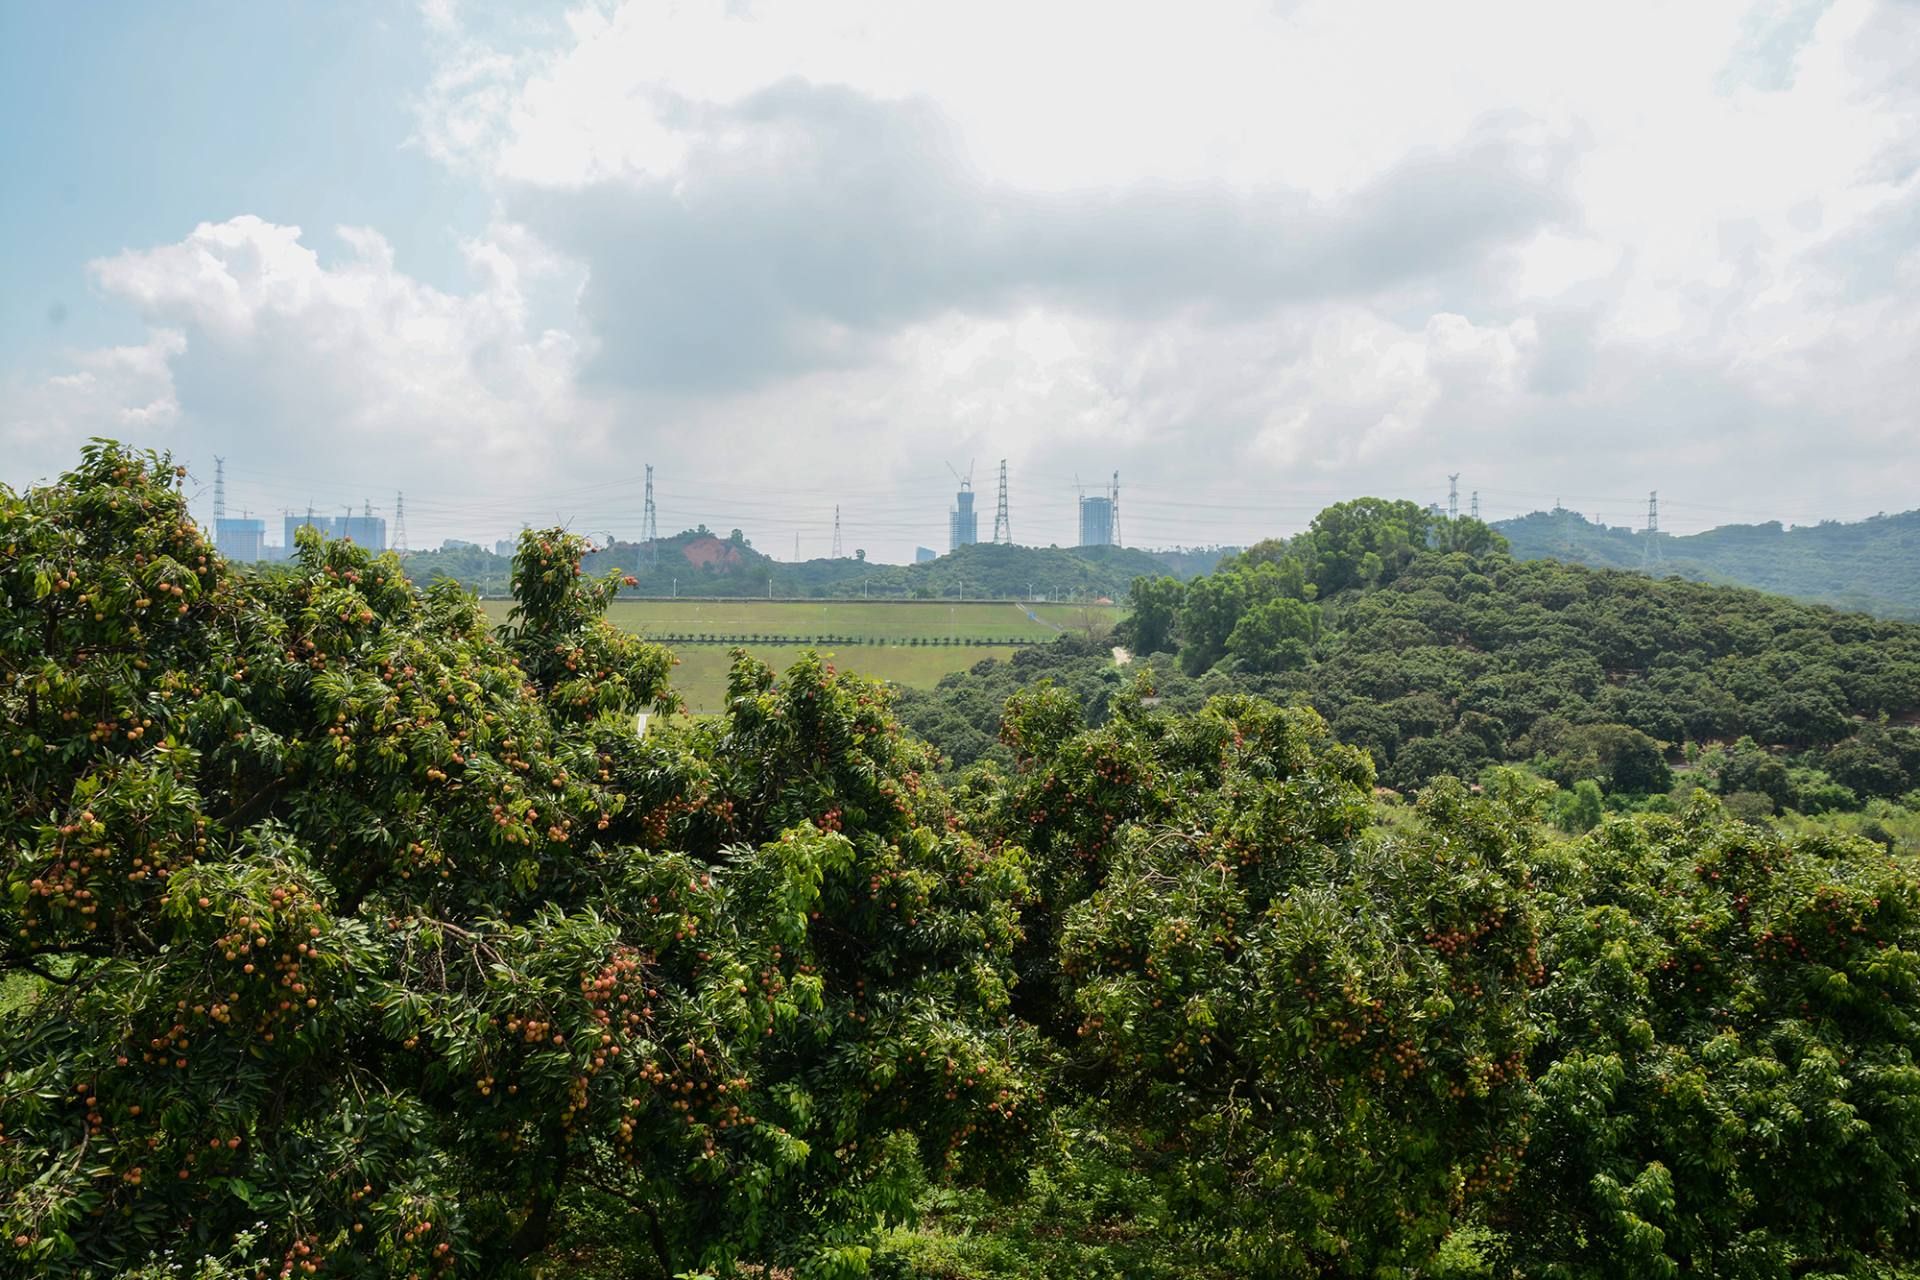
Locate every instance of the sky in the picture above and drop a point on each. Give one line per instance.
(1254, 257)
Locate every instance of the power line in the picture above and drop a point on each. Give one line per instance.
(906, 511)
(292, 490)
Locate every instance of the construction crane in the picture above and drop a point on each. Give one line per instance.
(966, 481)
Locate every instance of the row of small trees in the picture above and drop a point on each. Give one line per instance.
(349, 937)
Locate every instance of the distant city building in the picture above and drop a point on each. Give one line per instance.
(292, 525)
(506, 547)
(243, 539)
(458, 544)
(1096, 522)
(368, 530)
(923, 554)
(963, 525)
(365, 530)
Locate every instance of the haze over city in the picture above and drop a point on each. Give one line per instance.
(1255, 258)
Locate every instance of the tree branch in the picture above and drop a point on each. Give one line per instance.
(26, 965)
(254, 805)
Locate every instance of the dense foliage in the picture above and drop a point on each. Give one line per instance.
(1318, 1028)
(1455, 1043)
(1872, 565)
(1725, 1070)
(358, 921)
(347, 936)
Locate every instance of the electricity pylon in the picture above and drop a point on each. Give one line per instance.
(1002, 526)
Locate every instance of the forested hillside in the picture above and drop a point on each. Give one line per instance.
(1872, 565)
(1441, 661)
(347, 935)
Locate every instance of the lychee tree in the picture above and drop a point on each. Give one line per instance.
(332, 912)
(1726, 1067)
(1313, 1031)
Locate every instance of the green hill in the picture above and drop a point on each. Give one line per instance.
(1872, 565)
(1449, 662)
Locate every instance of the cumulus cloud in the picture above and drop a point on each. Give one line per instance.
(274, 352)
(109, 391)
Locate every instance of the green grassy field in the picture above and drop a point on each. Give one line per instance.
(701, 677)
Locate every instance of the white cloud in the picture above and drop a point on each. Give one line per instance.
(339, 369)
(1254, 254)
(108, 391)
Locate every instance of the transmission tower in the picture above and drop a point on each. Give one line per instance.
(650, 524)
(219, 488)
(1453, 496)
(1476, 504)
(400, 523)
(1002, 526)
(836, 531)
(1113, 508)
(1650, 554)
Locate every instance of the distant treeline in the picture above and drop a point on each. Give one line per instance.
(702, 564)
(1872, 565)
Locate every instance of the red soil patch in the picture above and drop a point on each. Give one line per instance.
(710, 552)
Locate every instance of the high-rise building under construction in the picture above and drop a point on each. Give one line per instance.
(242, 539)
(366, 529)
(963, 523)
(1096, 522)
(1100, 517)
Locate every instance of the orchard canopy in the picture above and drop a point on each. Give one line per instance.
(347, 936)
(364, 923)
